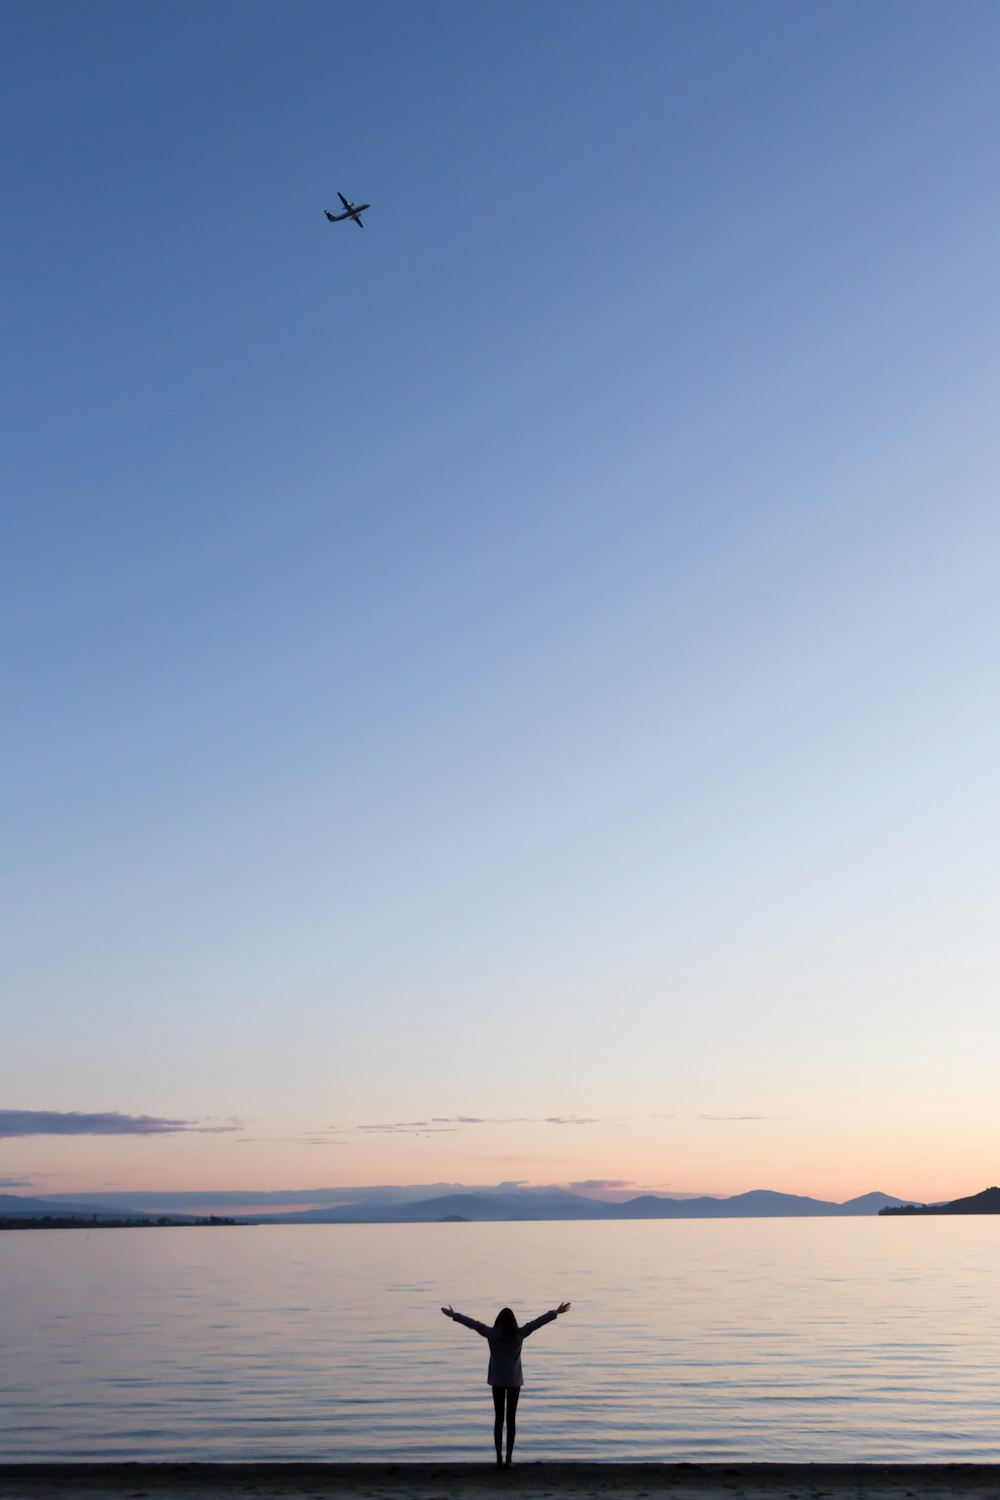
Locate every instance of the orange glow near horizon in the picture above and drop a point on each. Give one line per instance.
(715, 1158)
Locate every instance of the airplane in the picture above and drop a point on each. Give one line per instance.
(351, 211)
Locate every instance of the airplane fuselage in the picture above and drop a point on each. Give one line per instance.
(349, 213)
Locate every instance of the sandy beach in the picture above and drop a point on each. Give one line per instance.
(567, 1481)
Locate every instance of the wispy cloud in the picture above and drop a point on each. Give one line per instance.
(515, 1120)
(442, 1124)
(9, 1182)
(294, 1140)
(602, 1182)
(22, 1122)
(737, 1117)
(465, 1120)
(317, 1135)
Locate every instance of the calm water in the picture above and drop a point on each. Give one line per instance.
(778, 1339)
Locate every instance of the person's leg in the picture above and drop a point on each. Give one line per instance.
(512, 1394)
(498, 1398)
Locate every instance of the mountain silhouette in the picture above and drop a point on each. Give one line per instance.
(19, 1212)
(508, 1202)
(13, 1206)
(986, 1202)
(485, 1208)
(556, 1203)
(869, 1203)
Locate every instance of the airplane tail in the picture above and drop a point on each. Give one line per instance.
(329, 216)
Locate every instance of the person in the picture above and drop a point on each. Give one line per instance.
(505, 1375)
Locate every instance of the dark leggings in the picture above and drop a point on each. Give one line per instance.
(505, 1394)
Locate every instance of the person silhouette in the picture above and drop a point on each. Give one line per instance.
(505, 1376)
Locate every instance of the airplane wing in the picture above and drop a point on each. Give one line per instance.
(343, 200)
(357, 221)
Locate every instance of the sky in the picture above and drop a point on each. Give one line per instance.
(509, 693)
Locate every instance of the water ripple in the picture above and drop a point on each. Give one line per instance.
(854, 1340)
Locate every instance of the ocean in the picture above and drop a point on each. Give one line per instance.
(770, 1339)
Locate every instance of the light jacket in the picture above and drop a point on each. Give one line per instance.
(505, 1348)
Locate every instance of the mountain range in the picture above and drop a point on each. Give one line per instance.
(506, 1204)
(557, 1203)
(15, 1206)
(986, 1202)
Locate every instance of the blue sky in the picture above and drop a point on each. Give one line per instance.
(536, 656)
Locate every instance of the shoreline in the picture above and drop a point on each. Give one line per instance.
(473, 1481)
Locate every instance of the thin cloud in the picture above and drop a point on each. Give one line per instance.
(737, 1117)
(9, 1182)
(482, 1120)
(603, 1182)
(456, 1122)
(24, 1122)
(317, 1135)
(294, 1140)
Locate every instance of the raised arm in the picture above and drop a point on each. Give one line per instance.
(450, 1312)
(548, 1317)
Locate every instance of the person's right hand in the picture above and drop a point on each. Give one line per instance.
(563, 1307)
(449, 1312)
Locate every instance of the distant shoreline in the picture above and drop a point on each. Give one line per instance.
(527, 1207)
(465, 1481)
(475, 1206)
(49, 1221)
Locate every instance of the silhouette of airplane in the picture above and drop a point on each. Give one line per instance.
(351, 211)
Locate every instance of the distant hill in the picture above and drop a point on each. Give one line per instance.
(986, 1202)
(14, 1206)
(869, 1203)
(505, 1203)
(555, 1203)
(758, 1204)
(480, 1208)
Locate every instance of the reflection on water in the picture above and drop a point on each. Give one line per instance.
(753, 1339)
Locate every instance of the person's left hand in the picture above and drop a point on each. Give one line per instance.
(563, 1307)
(449, 1312)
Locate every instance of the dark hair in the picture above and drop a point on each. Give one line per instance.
(506, 1321)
